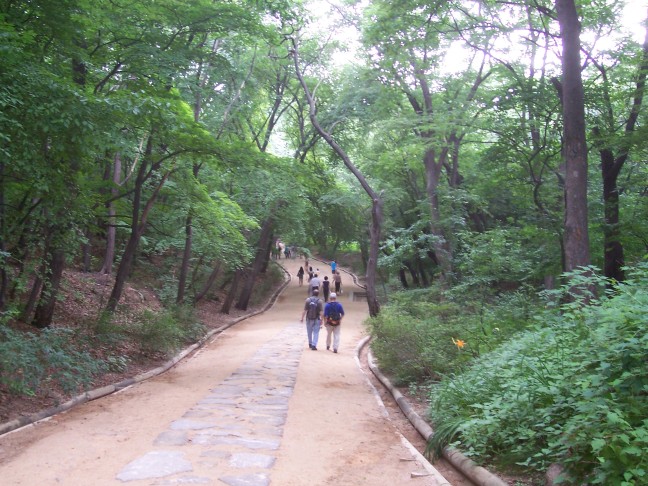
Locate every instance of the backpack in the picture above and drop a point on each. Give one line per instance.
(313, 308)
(335, 316)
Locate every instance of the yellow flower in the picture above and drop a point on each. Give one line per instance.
(459, 343)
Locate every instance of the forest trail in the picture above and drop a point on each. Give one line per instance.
(255, 406)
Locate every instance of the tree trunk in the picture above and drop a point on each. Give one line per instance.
(265, 237)
(4, 276)
(414, 273)
(210, 281)
(186, 258)
(49, 293)
(138, 225)
(611, 166)
(432, 181)
(575, 148)
(227, 305)
(376, 199)
(403, 278)
(111, 230)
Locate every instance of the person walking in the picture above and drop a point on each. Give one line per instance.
(314, 283)
(326, 288)
(333, 267)
(333, 314)
(313, 313)
(337, 279)
(300, 276)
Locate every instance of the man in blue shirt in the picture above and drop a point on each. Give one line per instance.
(333, 313)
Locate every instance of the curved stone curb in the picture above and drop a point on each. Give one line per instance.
(465, 465)
(438, 477)
(109, 389)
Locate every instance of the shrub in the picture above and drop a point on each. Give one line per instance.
(415, 335)
(28, 361)
(573, 390)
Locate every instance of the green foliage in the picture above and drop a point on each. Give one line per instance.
(164, 332)
(416, 335)
(54, 358)
(573, 391)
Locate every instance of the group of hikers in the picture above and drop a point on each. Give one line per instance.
(314, 307)
(288, 251)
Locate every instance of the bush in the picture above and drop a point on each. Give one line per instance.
(52, 358)
(165, 332)
(573, 391)
(417, 337)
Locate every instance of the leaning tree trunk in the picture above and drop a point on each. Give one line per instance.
(259, 258)
(138, 225)
(576, 234)
(210, 282)
(376, 199)
(229, 300)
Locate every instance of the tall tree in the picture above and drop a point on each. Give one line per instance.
(376, 199)
(577, 252)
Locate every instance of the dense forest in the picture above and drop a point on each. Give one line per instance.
(486, 159)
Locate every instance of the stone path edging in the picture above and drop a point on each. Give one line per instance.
(474, 472)
(107, 390)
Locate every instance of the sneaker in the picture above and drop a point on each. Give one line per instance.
(335, 350)
(314, 348)
(328, 347)
(310, 346)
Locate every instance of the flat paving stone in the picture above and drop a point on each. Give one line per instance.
(184, 424)
(171, 437)
(155, 464)
(248, 480)
(245, 460)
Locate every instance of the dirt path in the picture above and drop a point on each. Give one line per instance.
(253, 407)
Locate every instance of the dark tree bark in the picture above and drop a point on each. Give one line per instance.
(574, 147)
(376, 199)
(229, 300)
(47, 302)
(138, 223)
(611, 166)
(403, 278)
(260, 257)
(210, 281)
(414, 273)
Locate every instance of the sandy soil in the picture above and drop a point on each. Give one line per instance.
(336, 433)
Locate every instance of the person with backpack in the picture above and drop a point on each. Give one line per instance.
(314, 283)
(333, 313)
(313, 313)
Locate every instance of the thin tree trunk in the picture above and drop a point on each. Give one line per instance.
(376, 199)
(186, 258)
(111, 230)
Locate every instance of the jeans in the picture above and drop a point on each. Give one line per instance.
(312, 330)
